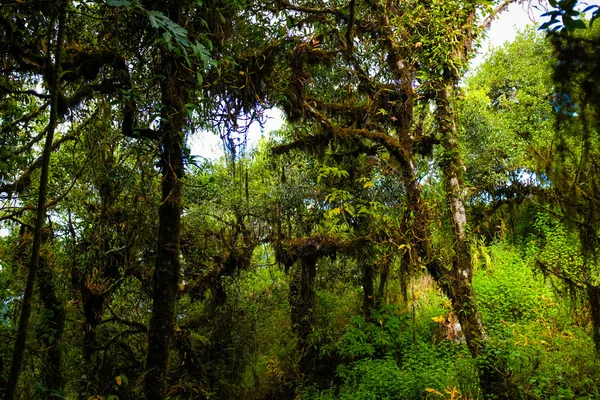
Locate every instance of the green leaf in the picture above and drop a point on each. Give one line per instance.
(579, 24)
(572, 24)
(152, 16)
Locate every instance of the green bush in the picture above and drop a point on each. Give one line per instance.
(372, 380)
(507, 290)
(540, 349)
(389, 359)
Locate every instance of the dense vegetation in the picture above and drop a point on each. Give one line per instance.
(413, 230)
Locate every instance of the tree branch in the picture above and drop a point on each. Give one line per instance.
(349, 39)
(392, 145)
(24, 118)
(24, 180)
(485, 25)
(309, 10)
(29, 91)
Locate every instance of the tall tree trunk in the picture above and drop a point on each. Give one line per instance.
(2, 380)
(418, 220)
(368, 288)
(52, 377)
(594, 299)
(19, 349)
(456, 284)
(462, 296)
(406, 267)
(93, 306)
(382, 289)
(167, 267)
(302, 304)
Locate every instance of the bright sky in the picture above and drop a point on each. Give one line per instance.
(209, 145)
(515, 19)
(507, 25)
(503, 29)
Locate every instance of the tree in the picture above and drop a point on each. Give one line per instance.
(577, 122)
(544, 119)
(399, 47)
(19, 347)
(507, 121)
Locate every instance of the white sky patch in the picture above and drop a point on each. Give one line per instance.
(508, 24)
(209, 145)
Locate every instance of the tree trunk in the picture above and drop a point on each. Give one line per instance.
(382, 290)
(462, 295)
(19, 349)
(368, 289)
(421, 250)
(456, 284)
(594, 299)
(51, 375)
(2, 380)
(405, 258)
(302, 304)
(167, 267)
